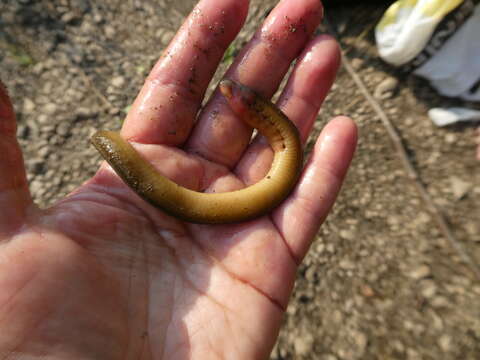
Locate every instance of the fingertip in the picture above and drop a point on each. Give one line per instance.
(340, 129)
(336, 145)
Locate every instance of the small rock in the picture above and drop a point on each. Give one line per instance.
(409, 121)
(85, 113)
(28, 105)
(459, 187)
(473, 230)
(50, 108)
(451, 138)
(109, 31)
(310, 273)
(330, 248)
(304, 344)
(43, 152)
(43, 119)
(346, 264)
(167, 37)
(320, 248)
(398, 346)
(386, 88)
(68, 17)
(98, 18)
(367, 291)
(394, 220)
(114, 111)
(329, 357)
(63, 129)
(413, 355)
(357, 63)
(337, 317)
(347, 235)
(428, 288)
(445, 343)
(35, 186)
(361, 341)
(439, 302)
(118, 81)
(420, 272)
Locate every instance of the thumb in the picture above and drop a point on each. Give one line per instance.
(14, 194)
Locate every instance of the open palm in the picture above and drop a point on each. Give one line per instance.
(103, 275)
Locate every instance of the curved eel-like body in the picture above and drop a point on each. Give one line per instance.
(216, 208)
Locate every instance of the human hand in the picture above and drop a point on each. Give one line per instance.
(103, 275)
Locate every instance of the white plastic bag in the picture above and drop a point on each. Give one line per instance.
(436, 39)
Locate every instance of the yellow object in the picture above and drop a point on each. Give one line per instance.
(428, 8)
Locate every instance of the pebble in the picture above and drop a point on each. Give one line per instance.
(167, 37)
(413, 355)
(329, 357)
(347, 234)
(118, 81)
(68, 17)
(451, 138)
(35, 186)
(98, 18)
(43, 119)
(337, 317)
(50, 108)
(320, 248)
(394, 220)
(303, 344)
(386, 88)
(409, 121)
(347, 264)
(114, 111)
(28, 105)
(398, 346)
(63, 129)
(310, 273)
(109, 31)
(367, 291)
(85, 113)
(445, 343)
(361, 341)
(439, 302)
(357, 63)
(473, 230)
(459, 187)
(428, 288)
(420, 272)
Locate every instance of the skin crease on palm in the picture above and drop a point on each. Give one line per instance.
(103, 275)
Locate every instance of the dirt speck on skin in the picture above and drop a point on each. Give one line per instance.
(380, 281)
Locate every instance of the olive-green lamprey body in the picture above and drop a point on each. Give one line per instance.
(216, 208)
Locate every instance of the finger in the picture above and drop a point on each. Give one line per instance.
(14, 194)
(301, 99)
(165, 109)
(219, 135)
(300, 216)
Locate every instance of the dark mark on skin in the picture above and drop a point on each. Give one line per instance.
(193, 75)
(202, 50)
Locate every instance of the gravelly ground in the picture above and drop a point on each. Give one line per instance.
(380, 282)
